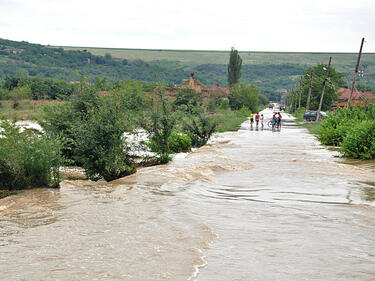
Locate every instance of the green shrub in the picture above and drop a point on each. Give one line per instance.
(177, 143)
(159, 125)
(28, 159)
(360, 141)
(200, 129)
(100, 145)
(334, 129)
(224, 104)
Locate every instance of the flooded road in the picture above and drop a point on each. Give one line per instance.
(251, 205)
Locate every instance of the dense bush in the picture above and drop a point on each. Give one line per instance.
(159, 125)
(188, 100)
(334, 129)
(100, 145)
(352, 128)
(360, 141)
(28, 159)
(200, 129)
(178, 142)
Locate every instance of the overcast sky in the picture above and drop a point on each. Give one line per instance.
(263, 25)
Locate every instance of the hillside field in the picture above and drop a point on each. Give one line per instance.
(343, 62)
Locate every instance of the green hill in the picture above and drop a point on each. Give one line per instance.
(268, 70)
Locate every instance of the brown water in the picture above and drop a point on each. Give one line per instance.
(252, 205)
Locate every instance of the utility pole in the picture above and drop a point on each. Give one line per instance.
(294, 100)
(310, 88)
(324, 88)
(356, 72)
(300, 94)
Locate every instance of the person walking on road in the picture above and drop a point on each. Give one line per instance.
(274, 121)
(257, 117)
(251, 119)
(262, 120)
(279, 121)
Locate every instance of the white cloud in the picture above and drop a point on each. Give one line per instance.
(289, 25)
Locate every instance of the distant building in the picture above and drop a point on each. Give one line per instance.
(357, 97)
(193, 84)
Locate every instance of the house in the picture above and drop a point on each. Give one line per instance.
(194, 84)
(357, 97)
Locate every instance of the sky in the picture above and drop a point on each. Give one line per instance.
(263, 25)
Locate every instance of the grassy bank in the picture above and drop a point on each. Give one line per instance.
(25, 110)
(229, 120)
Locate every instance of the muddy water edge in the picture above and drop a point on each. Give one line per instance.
(251, 205)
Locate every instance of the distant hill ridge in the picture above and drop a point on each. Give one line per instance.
(270, 71)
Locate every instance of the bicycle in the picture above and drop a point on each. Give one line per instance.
(276, 126)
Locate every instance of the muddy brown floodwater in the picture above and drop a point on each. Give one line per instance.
(251, 205)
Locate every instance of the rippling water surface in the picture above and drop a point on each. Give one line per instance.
(251, 205)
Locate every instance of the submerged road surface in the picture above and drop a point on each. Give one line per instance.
(251, 205)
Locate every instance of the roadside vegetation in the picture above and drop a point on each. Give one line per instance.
(350, 128)
(91, 124)
(353, 129)
(28, 158)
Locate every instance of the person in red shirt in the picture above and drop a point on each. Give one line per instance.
(257, 119)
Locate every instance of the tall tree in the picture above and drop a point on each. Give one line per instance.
(234, 67)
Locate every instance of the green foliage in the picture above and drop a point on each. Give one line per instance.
(234, 67)
(224, 104)
(188, 100)
(37, 88)
(263, 100)
(200, 129)
(59, 120)
(100, 145)
(351, 128)
(178, 142)
(159, 125)
(28, 159)
(241, 95)
(21, 93)
(360, 140)
(4, 94)
(330, 96)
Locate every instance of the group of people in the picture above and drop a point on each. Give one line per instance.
(257, 119)
(276, 120)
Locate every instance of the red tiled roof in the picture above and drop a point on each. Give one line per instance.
(345, 93)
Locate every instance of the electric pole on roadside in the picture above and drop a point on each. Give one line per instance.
(356, 72)
(310, 88)
(324, 88)
(295, 100)
(300, 93)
